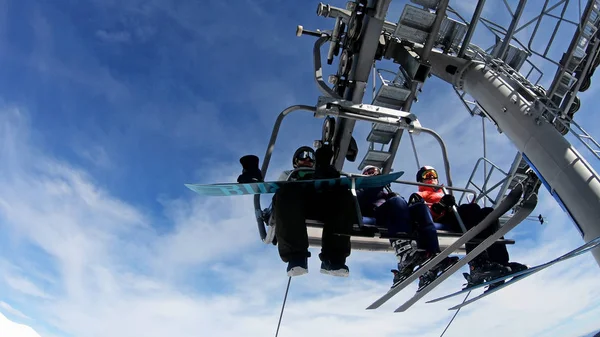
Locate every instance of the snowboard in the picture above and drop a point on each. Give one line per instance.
(515, 277)
(227, 189)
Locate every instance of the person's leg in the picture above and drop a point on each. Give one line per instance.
(428, 240)
(471, 215)
(427, 233)
(394, 215)
(339, 215)
(290, 229)
(410, 253)
(482, 267)
(497, 252)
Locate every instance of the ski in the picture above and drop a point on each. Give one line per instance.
(576, 252)
(573, 253)
(403, 283)
(516, 219)
(512, 199)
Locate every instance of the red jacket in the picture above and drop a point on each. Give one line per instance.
(431, 196)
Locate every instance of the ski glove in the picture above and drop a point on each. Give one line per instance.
(323, 167)
(445, 204)
(250, 172)
(391, 195)
(438, 208)
(448, 201)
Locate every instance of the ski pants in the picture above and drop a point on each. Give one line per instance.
(472, 214)
(398, 217)
(293, 204)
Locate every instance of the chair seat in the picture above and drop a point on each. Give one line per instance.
(370, 229)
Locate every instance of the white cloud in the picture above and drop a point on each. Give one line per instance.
(12, 329)
(113, 36)
(9, 309)
(25, 286)
(97, 155)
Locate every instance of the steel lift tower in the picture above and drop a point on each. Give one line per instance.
(426, 41)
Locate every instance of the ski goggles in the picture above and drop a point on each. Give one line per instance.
(371, 171)
(305, 155)
(429, 174)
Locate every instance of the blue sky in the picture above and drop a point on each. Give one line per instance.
(108, 107)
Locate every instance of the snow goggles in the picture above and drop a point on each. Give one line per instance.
(371, 171)
(429, 174)
(304, 155)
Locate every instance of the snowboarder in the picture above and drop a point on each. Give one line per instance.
(303, 162)
(292, 205)
(492, 262)
(391, 211)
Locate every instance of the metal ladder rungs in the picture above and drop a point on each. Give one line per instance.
(585, 138)
(374, 157)
(380, 136)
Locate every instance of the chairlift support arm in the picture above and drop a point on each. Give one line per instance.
(569, 178)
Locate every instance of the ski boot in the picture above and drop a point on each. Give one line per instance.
(514, 268)
(483, 270)
(433, 273)
(334, 269)
(409, 256)
(297, 267)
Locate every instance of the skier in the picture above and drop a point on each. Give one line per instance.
(492, 262)
(391, 211)
(293, 204)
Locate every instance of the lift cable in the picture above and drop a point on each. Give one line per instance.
(453, 317)
(283, 305)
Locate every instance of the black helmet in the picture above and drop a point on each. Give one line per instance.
(425, 170)
(303, 153)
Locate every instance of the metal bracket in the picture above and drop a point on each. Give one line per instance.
(356, 204)
(409, 59)
(328, 106)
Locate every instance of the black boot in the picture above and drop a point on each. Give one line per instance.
(483, 270)
(434, 272)
(514, 268)
(408, 255)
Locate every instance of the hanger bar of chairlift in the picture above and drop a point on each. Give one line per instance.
(359, 73)
(435, 28)
(267, 159)
(328, 106)
(388, 120)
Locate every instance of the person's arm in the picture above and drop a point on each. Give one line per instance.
(323, 167)
(250, 171)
